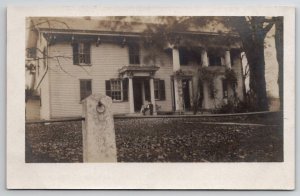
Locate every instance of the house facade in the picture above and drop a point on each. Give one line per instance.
(81, 59)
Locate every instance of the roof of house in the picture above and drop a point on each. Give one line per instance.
(135, 25)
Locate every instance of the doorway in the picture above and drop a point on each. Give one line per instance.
(186, 94)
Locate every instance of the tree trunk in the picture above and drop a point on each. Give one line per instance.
(254, 50)
(279, 55)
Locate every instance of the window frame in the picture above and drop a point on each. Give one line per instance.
(80, 93)
(158, 90)
(119, 83)
(121, 89)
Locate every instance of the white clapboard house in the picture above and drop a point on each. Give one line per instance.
(76, 57)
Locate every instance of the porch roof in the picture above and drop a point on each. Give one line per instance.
(131, 70)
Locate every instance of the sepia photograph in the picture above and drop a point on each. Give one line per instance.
(154, 89)
(151, 98)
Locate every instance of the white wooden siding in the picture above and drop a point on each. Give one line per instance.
(164, 61)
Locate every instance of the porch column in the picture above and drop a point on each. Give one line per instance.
(176, 61)
(204, 58)
(143, 92)
(152, 95)
(227, 59)
(176, 67)
(131, 98)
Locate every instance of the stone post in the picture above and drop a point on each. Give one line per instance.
(99, 144)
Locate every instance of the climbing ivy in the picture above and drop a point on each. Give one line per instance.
(231, 78)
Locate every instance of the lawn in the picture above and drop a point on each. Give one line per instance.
(165, 140)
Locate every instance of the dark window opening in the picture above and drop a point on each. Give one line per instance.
(214, 60)
(183, 56)
(225, 88)
(85, 88)
(234, 54)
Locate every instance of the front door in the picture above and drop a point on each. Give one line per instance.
(186, 94)
(137, 94)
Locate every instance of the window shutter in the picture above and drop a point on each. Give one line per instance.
(125, 89)
(162, 92)
(75, 54)
(87, 52)
(107, 88)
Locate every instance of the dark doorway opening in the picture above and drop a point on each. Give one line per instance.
(186, 94)
(137, 94)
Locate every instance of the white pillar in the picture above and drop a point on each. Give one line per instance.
(227, 59)
(176, 61)
(176, 67)
(143, 92)
(176, 94)
(204, 58)
(152, 95)
(131, 98)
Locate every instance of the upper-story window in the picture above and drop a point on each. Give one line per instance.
(82, 53)
(183, 56)
(191, 55)
(134, 54)
(214, 59)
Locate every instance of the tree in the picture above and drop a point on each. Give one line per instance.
(252, 31)
(279, 55)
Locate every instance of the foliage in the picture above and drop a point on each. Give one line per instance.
(208, 76)
(235, 105)
(231, 78)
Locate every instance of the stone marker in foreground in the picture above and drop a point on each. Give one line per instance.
(99, 143)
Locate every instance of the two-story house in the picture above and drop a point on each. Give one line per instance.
(76, 57)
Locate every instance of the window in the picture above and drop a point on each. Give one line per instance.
(85, 88)
(225, 89)
(117, 89)
(81, 53)
(214, 60)
(183, 56)
(134, 54)
(159, 90)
